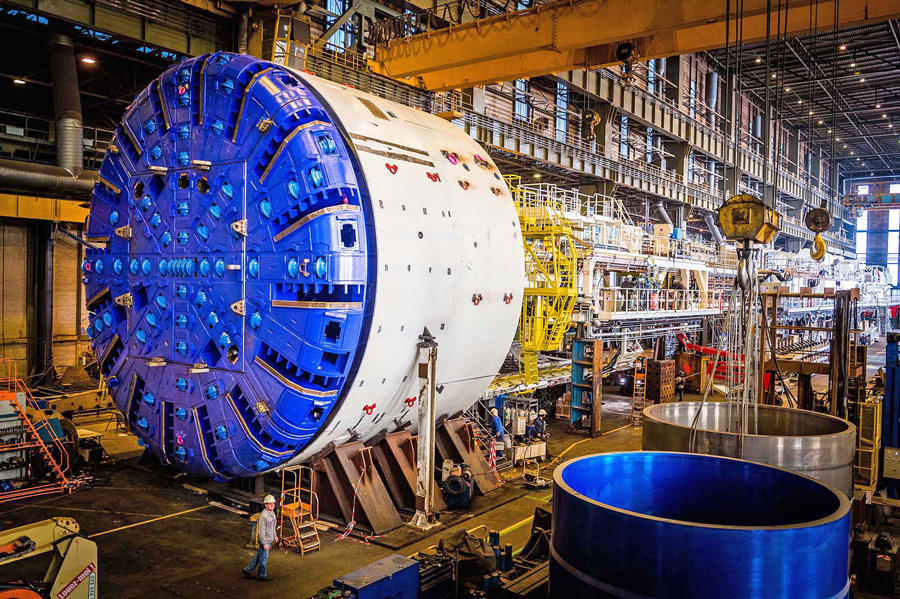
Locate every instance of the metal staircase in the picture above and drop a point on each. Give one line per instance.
(300, 507)
(483, 436)
(551, 270)
(39, 436)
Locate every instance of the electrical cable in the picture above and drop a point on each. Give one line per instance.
(712, 375)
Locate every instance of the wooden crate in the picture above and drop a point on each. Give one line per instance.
(660, 380)
(564, 406)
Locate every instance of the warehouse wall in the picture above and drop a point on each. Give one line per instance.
(14, 293)
(69, 314)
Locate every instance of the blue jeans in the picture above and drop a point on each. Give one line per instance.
(259, 560)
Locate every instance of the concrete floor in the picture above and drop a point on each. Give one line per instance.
(157, 538)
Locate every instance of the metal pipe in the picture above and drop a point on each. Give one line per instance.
(243, 31)
(15, 174)
(712, 95)
(66, 104)
(711, 225)
(661, 210)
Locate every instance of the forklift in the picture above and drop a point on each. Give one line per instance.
(73, 568)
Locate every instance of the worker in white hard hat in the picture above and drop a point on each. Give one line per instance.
(266, 530)
(540, 424)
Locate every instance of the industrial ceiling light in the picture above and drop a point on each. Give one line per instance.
(537, 175)
(852, 153)
(810, 114)
(862, 79)
(884, 115)
(852, 65)
(88, 60)
(842, 47)
(787, 89)
(774, 75)
(878, 105)
(758, 60)
(820, 122)
(799, 101)
(845, 146)
(18, 82)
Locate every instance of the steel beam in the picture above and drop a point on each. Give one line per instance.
(565, 35)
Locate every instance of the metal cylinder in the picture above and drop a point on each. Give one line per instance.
(817, 445)
(678, 525)
(295, 237)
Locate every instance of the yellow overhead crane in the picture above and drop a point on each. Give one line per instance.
(73, 567)
(574, 34)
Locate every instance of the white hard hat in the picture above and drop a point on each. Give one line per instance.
(494, 411)
(269, 499)
(542, 412)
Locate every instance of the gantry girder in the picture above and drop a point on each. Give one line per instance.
(575, 34)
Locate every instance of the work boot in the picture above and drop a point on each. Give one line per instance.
(247, 574)
(265, 579)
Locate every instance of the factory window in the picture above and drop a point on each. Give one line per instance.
(878, 240)
(624, 150)
(690, 168)
(692, 98)
(343, 37)
(649, 143)
(895, 188)
(651, 76)
(862, 190)
(521, 108)
(562, 111)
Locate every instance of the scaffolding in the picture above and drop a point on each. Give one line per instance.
(35, 433)
(551, 271)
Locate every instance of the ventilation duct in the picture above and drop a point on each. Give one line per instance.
(66, 105)
(712, 95)
(16, 175)
(711, 225)
(661, 210)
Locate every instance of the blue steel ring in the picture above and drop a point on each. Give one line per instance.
(242, 163)
(673, 525)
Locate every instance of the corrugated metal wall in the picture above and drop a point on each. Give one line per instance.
(69, 314)
(14, 293)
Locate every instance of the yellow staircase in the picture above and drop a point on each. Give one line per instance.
(639, 397)
(551, 270)
(300, 507)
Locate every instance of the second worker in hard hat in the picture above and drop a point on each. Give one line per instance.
(540, 424)
(267, 535)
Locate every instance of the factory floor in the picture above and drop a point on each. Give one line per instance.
(157, 538)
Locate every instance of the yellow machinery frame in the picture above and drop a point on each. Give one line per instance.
(551, 272)
(73, 571)
(868, 446)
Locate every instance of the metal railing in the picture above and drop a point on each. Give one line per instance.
(37, 130)
(631, 300)
(332, 63)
